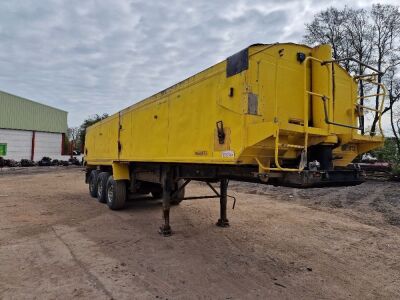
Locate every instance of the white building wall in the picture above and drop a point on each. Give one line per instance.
(19, 143)
(47, 144)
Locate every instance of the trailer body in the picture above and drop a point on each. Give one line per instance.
(265, 97)
(281, 114)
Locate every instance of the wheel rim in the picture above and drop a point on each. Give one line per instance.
(99, 189)
(91, 186)
(110, 193)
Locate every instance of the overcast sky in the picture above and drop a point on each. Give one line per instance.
(90, 57)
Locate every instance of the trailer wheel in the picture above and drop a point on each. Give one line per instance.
(116, 193)
(102, 186)
(93, 183)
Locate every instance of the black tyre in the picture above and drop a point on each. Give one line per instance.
(102, 186)
(116, 193)
(93, 183)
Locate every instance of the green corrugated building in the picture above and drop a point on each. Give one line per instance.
(30, 129)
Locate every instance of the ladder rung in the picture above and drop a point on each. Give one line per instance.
(367, 108)
(291, 146)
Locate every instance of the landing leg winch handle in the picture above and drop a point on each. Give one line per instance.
(327, 121)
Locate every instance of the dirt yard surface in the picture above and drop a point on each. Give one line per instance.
(333, 243)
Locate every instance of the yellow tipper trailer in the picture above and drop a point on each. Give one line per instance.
(282, 114)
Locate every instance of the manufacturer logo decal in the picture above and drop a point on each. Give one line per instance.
(228, 153)
(200, 153)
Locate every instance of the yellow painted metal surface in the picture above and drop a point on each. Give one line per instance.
(321, 85)
(120, 171)
(269, 113)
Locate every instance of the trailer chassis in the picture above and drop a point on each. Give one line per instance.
(165, 177)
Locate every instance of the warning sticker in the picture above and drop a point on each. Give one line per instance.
(228, 153)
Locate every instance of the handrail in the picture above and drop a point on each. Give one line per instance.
(316, 94)
(370, 96)
(324, 99)
(358, 106)
(352, 59)
(327, 121)
(368, 78)
(381, 107)
(379, 111)
(276, 157)
(307, 93)
(305, 126)
(365, 76)
(304, 152)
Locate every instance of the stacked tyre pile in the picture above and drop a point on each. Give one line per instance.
(47, 162)
(44, 162)
(11, 163)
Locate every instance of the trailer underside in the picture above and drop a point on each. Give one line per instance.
(168, 181)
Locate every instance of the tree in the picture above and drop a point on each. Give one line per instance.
(86, 123)
(386, 25)
(73, 133)
(73, 136)
(328, 28)
(371, 36)
(359, 36)
(394, 96)
(388, 152)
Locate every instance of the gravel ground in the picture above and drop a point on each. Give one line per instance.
(58, 242)
(373, 202)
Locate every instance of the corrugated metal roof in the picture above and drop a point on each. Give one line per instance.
(21, 113)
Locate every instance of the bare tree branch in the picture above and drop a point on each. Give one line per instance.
(372, 36)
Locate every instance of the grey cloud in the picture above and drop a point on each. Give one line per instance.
(99, 56)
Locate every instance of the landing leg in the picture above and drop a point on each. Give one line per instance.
(165, 229)
(223, 221)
